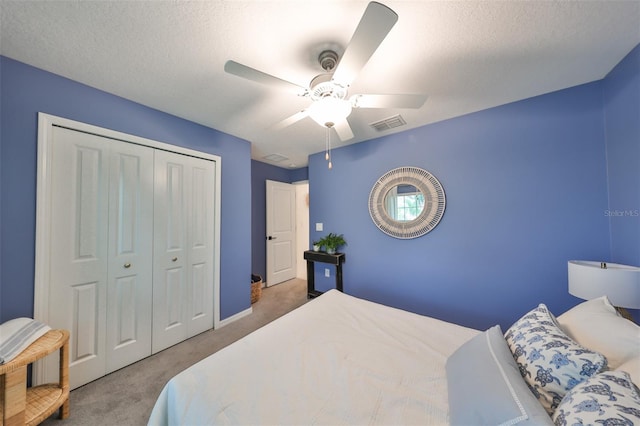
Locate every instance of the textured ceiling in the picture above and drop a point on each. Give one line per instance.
(465, 55)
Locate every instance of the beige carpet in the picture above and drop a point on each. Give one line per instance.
(126, 396)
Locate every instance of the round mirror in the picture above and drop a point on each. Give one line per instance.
(406, 202)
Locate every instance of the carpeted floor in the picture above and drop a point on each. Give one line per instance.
(126, 396)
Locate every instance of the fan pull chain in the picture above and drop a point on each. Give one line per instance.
(327, 155)
(326, 144)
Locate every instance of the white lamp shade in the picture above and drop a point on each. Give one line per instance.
(620, 283)
(329, 110)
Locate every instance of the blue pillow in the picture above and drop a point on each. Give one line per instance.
(608, 398)
(485, 386)
(550, 362)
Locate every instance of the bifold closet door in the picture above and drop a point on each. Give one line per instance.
(101, 243)
(130, 271)
(183, 248)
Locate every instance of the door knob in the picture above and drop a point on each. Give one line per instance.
(271, 238)
(174, 259)
(127, 265)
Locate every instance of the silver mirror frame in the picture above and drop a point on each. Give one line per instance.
(434, 202)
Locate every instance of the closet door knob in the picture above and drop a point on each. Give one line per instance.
(127, 265)
(174, 259)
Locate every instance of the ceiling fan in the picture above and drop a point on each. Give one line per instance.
(329, 91)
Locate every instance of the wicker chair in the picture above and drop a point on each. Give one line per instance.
(22, 406)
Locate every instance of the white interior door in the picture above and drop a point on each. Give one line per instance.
(200, 240)
(129, 285)
(170, 252)
(281, 232)
(100, 286)
(79, 235)
(183, 248)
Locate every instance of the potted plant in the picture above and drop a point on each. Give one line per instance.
(333, 242)
(317, 245)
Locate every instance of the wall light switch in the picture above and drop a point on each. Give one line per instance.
(327, 272)
(319, 226)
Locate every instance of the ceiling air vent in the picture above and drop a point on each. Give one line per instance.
(276, 158)
(388, 123)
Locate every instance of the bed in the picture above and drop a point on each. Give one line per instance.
(343, 360)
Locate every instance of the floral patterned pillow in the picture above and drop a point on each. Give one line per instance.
(549, 361)
(608, 398)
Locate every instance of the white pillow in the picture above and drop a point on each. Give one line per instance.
(633, 368)
(596, 325)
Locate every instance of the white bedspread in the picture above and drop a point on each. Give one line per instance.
(335, 360)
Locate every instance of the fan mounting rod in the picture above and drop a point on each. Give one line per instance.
(322, 85)
(328, 60)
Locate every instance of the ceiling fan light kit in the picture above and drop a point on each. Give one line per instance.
(329, 110)
(328, 91)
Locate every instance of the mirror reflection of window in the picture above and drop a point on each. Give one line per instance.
(404, 203)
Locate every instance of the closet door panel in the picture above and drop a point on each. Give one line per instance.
(79, 256)
(174, 299)
(200, 238)
(130, 275)
(199, 294)
(169, 254)
(85, 323)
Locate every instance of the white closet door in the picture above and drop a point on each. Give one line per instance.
(97, 212)
(201, 183)
(170, 249)
(101, 213)
(130, 280)
(79, 229)
(183, 248)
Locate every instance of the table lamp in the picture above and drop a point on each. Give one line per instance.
(620, 283)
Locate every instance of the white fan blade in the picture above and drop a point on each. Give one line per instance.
(375, 24)
(235, 68)
(290, 120)
(343, 130)
(388, 101)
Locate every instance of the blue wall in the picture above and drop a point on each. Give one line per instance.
(299, 175)
(526, 188)
(529, 186)
(622, 130)
(260, 173)
(25, 92)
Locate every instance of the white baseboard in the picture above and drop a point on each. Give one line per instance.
(235, 317)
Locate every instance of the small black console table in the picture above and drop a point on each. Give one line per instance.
(317, 256)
